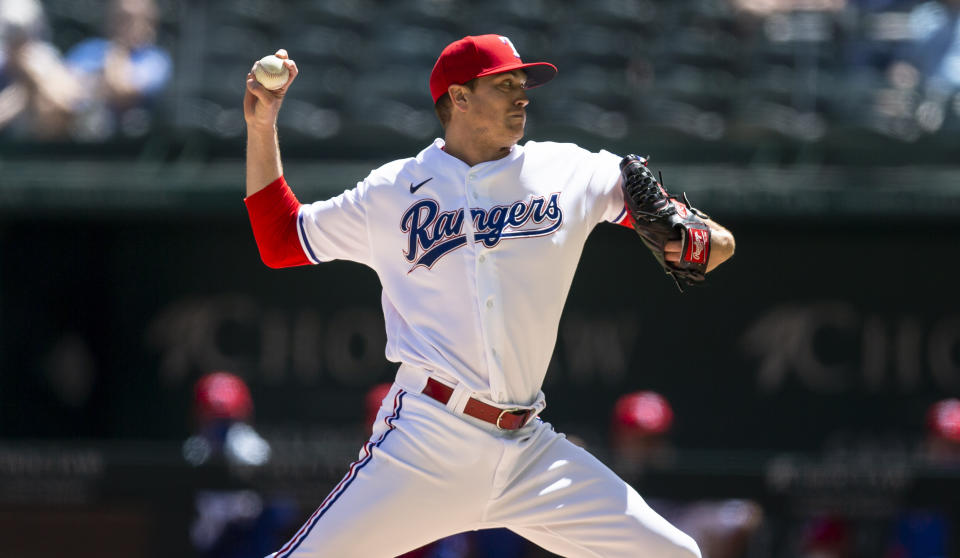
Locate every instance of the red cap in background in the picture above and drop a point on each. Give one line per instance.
(222, 395)
(943, 419)
(647, 412)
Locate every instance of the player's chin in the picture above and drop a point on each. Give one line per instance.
(517, 127)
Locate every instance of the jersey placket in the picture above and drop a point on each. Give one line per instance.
(488, 298)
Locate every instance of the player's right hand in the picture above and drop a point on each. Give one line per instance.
(260, 105)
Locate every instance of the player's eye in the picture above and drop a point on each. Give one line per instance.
(509, 84)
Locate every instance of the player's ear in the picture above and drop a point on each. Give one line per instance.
(458, 94)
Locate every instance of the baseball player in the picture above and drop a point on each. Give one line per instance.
(475, 241)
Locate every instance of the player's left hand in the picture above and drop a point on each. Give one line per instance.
(721, 247)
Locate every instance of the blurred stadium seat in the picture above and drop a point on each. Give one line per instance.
(735, 71)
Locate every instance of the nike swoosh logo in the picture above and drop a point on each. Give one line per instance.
(413, 189)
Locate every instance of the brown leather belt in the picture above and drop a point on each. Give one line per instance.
(504, 419)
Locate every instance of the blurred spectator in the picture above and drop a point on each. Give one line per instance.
(924, 73)
(639, 436)
(935, 48)
(39, 95)
(126, 71)
(774, 6)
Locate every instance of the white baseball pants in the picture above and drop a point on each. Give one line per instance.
(427, 473)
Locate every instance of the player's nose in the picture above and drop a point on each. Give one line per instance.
(522, 100)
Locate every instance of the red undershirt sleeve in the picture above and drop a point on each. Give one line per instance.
(627, 219)
(273, 215)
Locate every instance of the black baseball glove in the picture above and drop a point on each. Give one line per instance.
(658, 217)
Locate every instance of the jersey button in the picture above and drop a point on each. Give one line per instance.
(490, 303)
(482, 258)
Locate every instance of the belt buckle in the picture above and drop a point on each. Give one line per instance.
(505, 411)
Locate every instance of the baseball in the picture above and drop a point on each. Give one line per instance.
(271, 72)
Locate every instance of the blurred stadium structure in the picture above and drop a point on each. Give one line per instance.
(825, 133)
(800, 84)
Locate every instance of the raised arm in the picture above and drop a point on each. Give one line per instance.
(260, 109)
(272, 206)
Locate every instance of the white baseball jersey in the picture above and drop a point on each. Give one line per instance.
(475, 262)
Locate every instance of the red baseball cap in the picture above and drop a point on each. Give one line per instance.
(643, 411)
(222, 395)
(483, 55)
(943, 419)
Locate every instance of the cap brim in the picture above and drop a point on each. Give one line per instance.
(538, 73)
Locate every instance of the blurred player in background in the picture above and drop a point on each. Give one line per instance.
(942, 436)
(233, 520)
(640, 428)
(475, 241)
(223, 410)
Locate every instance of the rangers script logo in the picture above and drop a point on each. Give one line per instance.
(433, 234)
